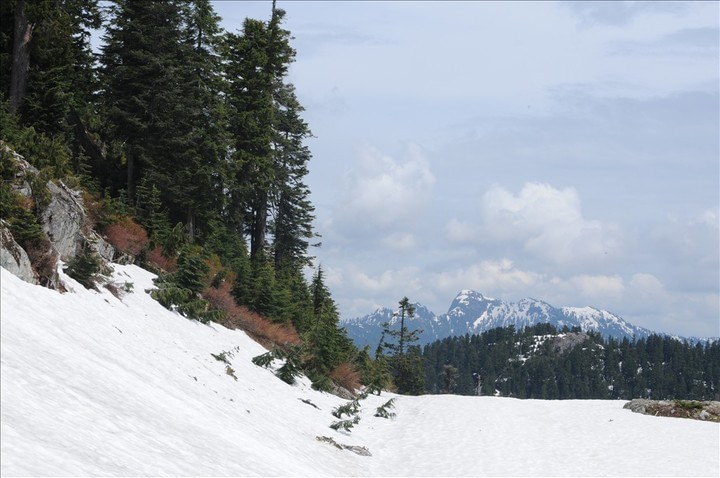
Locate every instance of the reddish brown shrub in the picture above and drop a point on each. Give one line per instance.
(160, 262)
(127, 236)
(259, 328)
(94, 209)
(346, 376)
(43, 259)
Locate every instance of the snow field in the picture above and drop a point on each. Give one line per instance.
(95, 385)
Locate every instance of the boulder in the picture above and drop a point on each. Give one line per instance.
(14, 258)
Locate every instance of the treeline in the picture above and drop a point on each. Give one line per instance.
(189, 144)
(541, 362)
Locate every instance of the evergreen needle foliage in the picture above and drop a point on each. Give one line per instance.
(290, 355)
(405, 360)
(345, 424)
(536, 363)
(383, 411)
(86, 268)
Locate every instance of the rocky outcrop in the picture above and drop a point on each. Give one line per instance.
(63, 220)
(65, 223)
(564, 343)
(698, 410)
(14, 258)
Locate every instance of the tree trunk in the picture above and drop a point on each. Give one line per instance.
(21, 57)
(191, 225)
(130, 159)
(259, 228)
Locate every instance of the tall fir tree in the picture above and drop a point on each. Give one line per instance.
(330, 343)
(405, 358)
(140, 60)
(250, 110)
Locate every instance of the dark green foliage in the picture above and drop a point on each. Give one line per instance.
(345, 424)
(405, 360)
(22, 222)
(86, 268)
(409, 372)
(292, 365)
(374, 374)
(349, 409)
(448, 378)
(192, 269)
(181, 290)
(151, 213)
(329, 343)
(527, 364)
(689, 405)
(383, 411)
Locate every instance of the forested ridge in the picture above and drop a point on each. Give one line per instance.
(543, 363)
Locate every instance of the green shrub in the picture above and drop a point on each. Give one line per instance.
(291, 368)
(345, 424)
(383, 410)
(86, 268)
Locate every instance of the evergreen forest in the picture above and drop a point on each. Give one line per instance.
(541, 362)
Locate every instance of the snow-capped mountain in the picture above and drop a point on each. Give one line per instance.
(472, 313)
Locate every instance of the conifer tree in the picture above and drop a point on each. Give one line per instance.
(197, 177)
(250, 110)
(140, 66)
(267, 193)
(405, 358)
(329, 343)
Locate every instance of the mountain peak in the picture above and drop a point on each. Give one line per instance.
(472, 313)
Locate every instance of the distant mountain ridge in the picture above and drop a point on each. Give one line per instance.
(472, 313)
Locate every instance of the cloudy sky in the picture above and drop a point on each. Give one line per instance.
(567, 152)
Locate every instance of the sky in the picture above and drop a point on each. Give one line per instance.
(98, 385)
(563, 151)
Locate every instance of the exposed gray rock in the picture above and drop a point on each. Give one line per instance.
(20, 183)
(638, 405)
(697, 410)
(14, 258)
(99, 245)
(565, 343)
(63, 219)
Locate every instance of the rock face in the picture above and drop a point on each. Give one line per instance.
(64, 221)
(14, 258)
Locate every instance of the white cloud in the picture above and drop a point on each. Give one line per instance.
(461, 231)
(549, 224)
(496, 277)
(385, 193)
(399, 241)
(599, 287)
(388, 280)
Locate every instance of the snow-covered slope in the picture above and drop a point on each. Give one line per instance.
(93, 385)
(472, 313)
